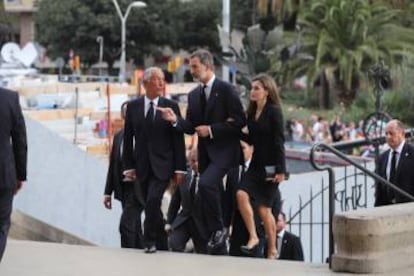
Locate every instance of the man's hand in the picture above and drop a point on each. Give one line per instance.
(168, 114)
(129, 175)
(168, 228)
(202, 131)
(178, 178)
(107, 202)
(19, 185)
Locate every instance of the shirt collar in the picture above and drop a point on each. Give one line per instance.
(281, 233)
(400, 147)
(209, 85)
(155, 101)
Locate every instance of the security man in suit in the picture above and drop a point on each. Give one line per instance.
(396, 165)
(13, 158)
(158, 154)
(216, 114)
(183, 218)
(125, 192)
(289, 246)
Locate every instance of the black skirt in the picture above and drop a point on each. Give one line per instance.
(261, 192)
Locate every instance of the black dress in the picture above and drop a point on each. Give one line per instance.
(266, 136)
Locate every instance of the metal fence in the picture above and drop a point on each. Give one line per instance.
(310, 219)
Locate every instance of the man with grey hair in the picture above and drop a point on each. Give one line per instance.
(158, 154)
(396, 165)
(216, 114)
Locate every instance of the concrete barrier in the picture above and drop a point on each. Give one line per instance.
(25, 227)
(374, 240)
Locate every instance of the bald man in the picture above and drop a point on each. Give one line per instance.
(396, 165)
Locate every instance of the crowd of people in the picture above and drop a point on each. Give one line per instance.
(226, 199)
(226, 196)
(319, 130)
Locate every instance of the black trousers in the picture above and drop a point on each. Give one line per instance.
(6, 203)
(130, 224)
(179, 237)
(210, 192)
(154, 233)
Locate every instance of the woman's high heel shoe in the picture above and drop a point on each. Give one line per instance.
(249, 251)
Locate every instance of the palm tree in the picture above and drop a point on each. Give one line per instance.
(345, 38)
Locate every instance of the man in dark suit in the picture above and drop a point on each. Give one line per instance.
(289, 246)
(13, 157)
(185, 222)
(396, 165)
(124, 191)
(158, 154)
(216, 114)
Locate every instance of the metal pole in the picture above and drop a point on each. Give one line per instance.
(75, 135)
(226, 29)
(123, 18)
(331, 174)
(100, 40)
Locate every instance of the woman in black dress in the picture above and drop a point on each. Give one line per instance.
(267, 169)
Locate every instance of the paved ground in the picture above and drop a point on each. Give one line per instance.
(24, 258)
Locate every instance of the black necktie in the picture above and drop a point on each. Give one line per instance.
(193, 186)
(393, 165)
(150, 114)
(392, 174)
(203, 100)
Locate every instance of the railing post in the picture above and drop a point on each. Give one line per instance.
(331, 175)
(332, 185)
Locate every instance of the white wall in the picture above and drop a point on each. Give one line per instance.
(65, 188)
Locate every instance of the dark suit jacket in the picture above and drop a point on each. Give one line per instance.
(160, 148)
(404, 176)
(291, 248)
(223, 103)
(13, 141)
(266, 134)
(114, 176)
(182, 198)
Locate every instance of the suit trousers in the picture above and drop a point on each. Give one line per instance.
(210, 190)
(179, 237)
(6, 203)
(154, 220)
(130, 224)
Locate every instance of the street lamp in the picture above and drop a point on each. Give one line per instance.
(135, 4)
(100, 40)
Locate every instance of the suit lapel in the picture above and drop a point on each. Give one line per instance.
(141, 109)
(161, 103)
(384, 163)
(403, 156)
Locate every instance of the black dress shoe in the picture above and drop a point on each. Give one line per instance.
(249, 251)
(150, 249)
(217, 239)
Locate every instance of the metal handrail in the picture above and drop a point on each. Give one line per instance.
(331, 174)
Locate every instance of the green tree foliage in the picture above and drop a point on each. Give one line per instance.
(347, 37)
(63, 25)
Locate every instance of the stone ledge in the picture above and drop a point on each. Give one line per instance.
(374, 240)
(25, 227)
